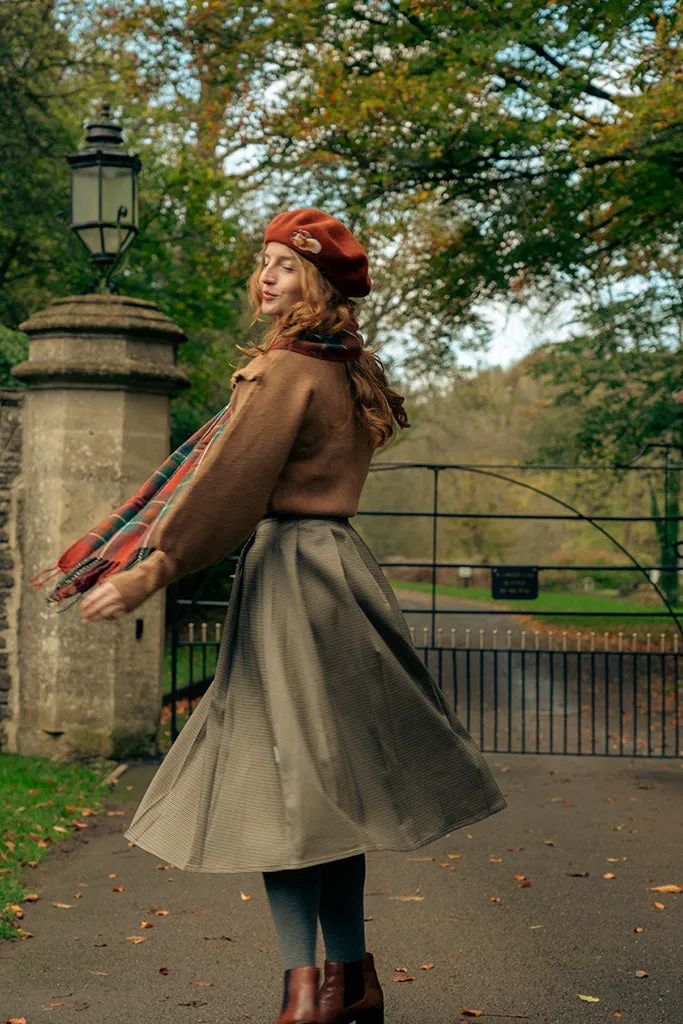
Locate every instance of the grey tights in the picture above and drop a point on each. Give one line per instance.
(332, 892)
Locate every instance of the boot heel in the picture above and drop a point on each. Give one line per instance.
(373, 1016)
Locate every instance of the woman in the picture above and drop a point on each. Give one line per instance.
(322, 736)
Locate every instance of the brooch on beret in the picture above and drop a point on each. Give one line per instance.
(304, 240)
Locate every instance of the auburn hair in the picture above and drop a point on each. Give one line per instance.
(325, 309)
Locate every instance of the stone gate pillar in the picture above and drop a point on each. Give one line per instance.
(96, 423)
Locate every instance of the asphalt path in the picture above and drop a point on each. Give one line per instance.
(514, 951)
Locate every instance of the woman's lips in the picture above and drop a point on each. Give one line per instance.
(269, 295)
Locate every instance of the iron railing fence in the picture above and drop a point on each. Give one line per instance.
(600, 691)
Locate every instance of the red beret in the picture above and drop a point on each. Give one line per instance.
(327, 244)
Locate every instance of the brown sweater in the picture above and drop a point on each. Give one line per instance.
(292, 444)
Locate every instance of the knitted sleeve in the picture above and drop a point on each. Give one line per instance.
(228, 493)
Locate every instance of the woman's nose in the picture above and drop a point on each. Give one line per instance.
(267, 277)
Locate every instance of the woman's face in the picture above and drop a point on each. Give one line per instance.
(280, 279)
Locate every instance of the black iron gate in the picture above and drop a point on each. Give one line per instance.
(519, 690)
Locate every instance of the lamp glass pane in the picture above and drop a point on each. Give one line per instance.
(111, 239)
(117, 190)
(91, 237)
(85, 199)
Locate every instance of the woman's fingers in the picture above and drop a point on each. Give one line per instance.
(104, 602)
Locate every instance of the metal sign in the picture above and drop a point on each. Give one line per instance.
(514, 582)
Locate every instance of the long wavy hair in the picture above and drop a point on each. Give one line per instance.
(325, 309)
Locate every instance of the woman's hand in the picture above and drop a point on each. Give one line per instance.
(104, 602)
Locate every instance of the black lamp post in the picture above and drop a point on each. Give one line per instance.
(104, 195)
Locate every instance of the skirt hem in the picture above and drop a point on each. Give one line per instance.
(481, 815)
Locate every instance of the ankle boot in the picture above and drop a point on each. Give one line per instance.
(367, 1010)
(300, 997)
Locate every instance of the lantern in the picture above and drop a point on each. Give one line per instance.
(104, 193)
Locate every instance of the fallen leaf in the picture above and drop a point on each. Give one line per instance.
(658, 906)
(453, 856)
(641, 974)
(420, 858)
(370, 918)
(404, 977)
(146, 924)
(114, 876)
(99, 944)
(548, 842)
(403, 970)
(163, 970)
(60, 828)
(78, 895)
(243, 896)
(105, 974)
(193, 1002)
(118, 888)
(162, 867)
(15, 909)
(15, 1020)
(666, 888)
(136, 938)
(495, 860)
(85, 812)
(84, 1007)
(24, 935)
(65, 906)
(79, 824)
(589, 999)
(207, 984)
(639, 930)
(33, 863)
(407, 899)
(470, 1013)
(31, 897)
(609, 875)
(426, 967)
(161, 913)
(114, 814)
(520, 878)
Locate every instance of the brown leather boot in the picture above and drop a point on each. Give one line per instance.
(300, 998)
(368, 1010)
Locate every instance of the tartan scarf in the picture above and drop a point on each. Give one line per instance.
(118, 542)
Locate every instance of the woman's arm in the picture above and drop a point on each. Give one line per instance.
(228, 493)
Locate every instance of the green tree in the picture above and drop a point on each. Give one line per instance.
(192, 254)
(622, 378)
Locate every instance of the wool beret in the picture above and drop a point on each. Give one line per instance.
(327, 244)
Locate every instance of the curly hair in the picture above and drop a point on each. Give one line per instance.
(324, 308)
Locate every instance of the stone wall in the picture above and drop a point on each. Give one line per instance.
(11, 524)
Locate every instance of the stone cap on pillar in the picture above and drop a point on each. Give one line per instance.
(102, 341)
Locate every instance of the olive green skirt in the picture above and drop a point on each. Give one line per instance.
(322, 734)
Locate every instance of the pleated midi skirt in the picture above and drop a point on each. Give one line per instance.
(322, 734)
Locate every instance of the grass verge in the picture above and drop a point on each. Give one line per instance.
(562, 601)
(41, 803)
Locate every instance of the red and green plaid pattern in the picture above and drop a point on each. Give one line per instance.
(118, 542)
